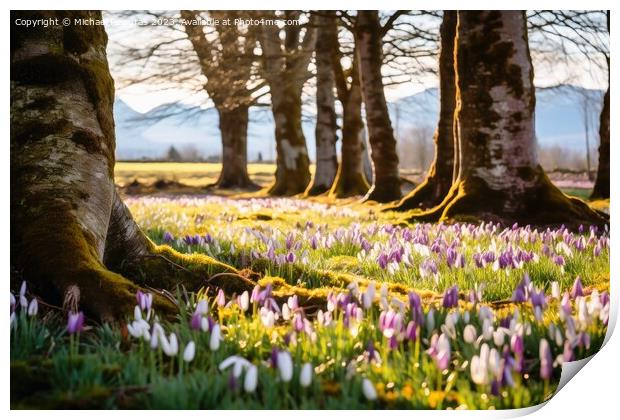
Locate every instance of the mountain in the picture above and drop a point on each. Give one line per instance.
(559, 121)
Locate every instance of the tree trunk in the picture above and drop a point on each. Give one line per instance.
(440, 175)
(601, 186)
(386, 185)
(500, 178)
(285, 67)
(350, 180)
(325, 132)
(64, 207)
(292, 163)
(227, 72)
(234, 130)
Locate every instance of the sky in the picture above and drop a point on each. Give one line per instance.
(144, 96)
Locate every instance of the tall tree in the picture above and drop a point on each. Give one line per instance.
(499, 175)
(201, 58)
(285, 63)
(350, 178)
(601, 185)
(227, 70)
(441, 173)
(326, 127)
(368, 36)
(72, 237)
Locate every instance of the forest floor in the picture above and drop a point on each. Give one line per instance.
(352, 310)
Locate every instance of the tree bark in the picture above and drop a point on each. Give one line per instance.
(234, 130)
(601, 186)
(440, 175)
(325, 133)
(350, 179)
(387, 181)
(500, 178)
(64, 208)
(285, 67)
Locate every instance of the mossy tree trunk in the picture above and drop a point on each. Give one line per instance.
(285, 67)
(65, 213)
(386, 185)
(441, 173)
(325, 132)
(499, 177)
(226, 63)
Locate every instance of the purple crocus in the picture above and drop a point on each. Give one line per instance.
(145, 300)
(577, 289)
(168, 237)
(195, 322)
(439, 350)
(75, 322)
(451, 297)
(415, 303)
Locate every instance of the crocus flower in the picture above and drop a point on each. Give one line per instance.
(189, 352)
(168, 237)
(144, 300)
(170, 346)
(220, 299)
(285, 366)
(451, 297)
(33, 307)
(23, 302)
(195, 322)
(440, 350)
(75, 322)
(214, 340)
(251, 379)
(244, 301)
(305, 376)
(469, 334)
(577, 289)
(555, 290)
(368, 389)
(546, 360)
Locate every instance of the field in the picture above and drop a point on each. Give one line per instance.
(352, 310)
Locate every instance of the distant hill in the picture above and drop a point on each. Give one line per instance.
(559, 121)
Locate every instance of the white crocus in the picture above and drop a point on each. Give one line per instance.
(267, 317)
(286, 312)
(202, 307)
(469, 334)
(369, 390)
(216, 337)
(285, 366)
(244, 301)
(555, 290)
(305, 377)
(251, 379)
(33, 307)
(190, 352)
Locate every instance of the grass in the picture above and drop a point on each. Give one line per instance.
(336, 249)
